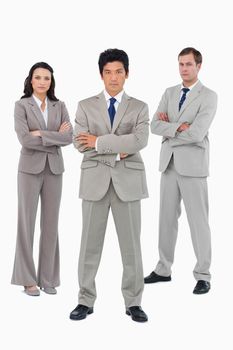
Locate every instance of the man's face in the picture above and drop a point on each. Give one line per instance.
(114, 76)
(188, 69)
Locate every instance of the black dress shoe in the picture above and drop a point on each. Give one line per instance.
(136, 313)
(201, 287)
(153, 278)
(81, 312)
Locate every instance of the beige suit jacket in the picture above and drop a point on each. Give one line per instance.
(35, 149)
(129, 134)
(190, 148)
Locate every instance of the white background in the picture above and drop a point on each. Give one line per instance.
(69, 35)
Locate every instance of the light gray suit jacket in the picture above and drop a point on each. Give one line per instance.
(129, 134)
(190, 148)
(35, 149)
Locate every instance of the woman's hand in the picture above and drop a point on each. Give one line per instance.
(35, 133)
(64, 127)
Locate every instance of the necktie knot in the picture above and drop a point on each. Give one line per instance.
(112, 100)
(185, 90)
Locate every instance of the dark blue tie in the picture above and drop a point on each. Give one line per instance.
(183, 97)
(111, 109)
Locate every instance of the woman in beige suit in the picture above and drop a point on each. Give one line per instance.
(42, 126)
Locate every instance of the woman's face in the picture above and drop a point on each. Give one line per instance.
(41, 81)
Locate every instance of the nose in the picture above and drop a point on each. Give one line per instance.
(113, 76)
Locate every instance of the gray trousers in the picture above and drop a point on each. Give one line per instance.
(48, 187)
(127, 218)
(194, 192)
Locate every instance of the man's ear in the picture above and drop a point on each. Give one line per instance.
(199, 66)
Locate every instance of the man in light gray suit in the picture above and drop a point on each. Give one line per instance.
(110, 130)
(183, 118)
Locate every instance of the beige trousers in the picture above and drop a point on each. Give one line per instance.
(194, 193)
(127, 218)
(48, 187)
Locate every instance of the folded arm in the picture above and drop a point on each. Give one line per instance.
(200, 126)
(63, 136)
(82, 127)
(26, 138)
(161, 126)
(129, 143)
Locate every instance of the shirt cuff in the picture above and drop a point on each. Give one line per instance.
(96, 144)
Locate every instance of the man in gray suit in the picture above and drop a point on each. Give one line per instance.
(110, 130)
(183, 118)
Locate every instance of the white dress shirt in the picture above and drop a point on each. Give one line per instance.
(118, 98)
(45, 112)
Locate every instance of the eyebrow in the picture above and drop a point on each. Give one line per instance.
(42, 76)
(113, 70)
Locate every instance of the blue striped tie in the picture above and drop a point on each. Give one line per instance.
(111, 109)
(183, 97)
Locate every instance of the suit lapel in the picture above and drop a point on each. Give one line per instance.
(120, 111)
(102, 106)
(36, 111)
(52, 114)
(193, 94)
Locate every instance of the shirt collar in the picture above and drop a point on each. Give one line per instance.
(190, 87)
(118, 97)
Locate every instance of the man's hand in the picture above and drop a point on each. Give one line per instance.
(183, 127)
(86, 140)
(64, 127)
(123, 155)
(163, 116)
(35, 133)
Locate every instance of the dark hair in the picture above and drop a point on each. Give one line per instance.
(197, 55)
(28, 90)
(112, 55)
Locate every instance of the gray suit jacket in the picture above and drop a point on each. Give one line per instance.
(190, 148)
(129, 134)
(35, 150)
